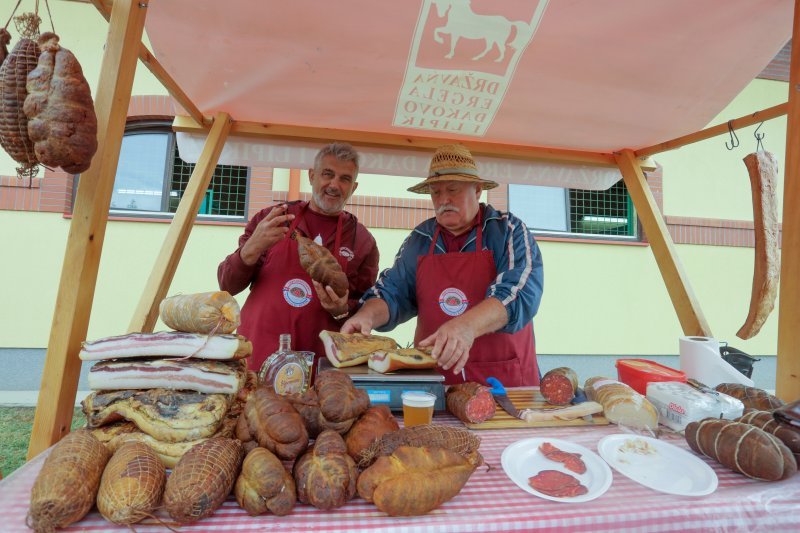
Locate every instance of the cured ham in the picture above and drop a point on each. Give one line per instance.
(167, 415)
(220, 377)
(167, 344)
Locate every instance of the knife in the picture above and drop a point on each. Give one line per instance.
(501, 397)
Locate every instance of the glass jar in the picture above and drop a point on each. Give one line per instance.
(287, 371)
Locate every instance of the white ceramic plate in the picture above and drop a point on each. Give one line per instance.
(658, 465)
(523, 460)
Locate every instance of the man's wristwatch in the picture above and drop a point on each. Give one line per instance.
(342, 316)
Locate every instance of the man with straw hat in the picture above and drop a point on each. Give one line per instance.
(472, 275)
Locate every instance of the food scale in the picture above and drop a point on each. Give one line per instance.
(387, 388)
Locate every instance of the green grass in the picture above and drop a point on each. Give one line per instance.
(15, 432)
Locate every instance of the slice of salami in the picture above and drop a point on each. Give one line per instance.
(558, 386)
(571, 461)
(471, 402)
(557, 484)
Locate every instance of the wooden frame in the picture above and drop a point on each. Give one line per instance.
(87, 229)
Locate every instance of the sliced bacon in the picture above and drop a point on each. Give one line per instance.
(167, 344)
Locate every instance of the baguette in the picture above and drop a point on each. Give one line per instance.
(351, 349)
(742, 448)
(621, 404)
(384, 361)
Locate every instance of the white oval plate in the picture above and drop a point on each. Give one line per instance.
(665, 468)
(522, 460)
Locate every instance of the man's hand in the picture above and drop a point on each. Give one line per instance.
(451, 344)
(268, 232)
(329, 300)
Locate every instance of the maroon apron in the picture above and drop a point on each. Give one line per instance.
(283, 300)
(447, 284)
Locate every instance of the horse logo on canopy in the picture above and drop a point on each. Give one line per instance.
(495, 30)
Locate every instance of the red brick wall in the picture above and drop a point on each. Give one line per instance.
(778, 68)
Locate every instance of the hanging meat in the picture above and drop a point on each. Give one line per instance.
(5, 39)
(763, 169)
(13, 122)
(59, 107)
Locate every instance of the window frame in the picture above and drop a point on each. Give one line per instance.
(140, 127)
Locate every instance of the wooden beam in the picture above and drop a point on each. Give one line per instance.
(787, 385)
(146, 314)
(393, 140)
(104, 7)
(87, 230)
(680, 291)
(294, 185)
(713, 131)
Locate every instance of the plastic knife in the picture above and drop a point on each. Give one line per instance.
(501, 397)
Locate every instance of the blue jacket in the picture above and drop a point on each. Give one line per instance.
(520, 275)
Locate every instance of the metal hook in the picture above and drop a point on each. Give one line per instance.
(734, 138)
(759, 144)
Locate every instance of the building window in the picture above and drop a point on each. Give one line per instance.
(552, 210)
(151, 178)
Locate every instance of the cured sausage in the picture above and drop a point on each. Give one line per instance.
(557, 484)
(558, 386)
(751, 397)
(571, 461)
(472, 403)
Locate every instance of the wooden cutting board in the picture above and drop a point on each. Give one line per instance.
(524, 398)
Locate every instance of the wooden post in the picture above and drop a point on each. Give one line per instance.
(146, 314)
(680, 291)
(787, 384)
(87, 229)
(294, 185)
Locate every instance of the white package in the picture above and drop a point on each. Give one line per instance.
(678, 404)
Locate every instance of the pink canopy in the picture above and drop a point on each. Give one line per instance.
(595, 75)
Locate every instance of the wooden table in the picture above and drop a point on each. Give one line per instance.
(490, 501)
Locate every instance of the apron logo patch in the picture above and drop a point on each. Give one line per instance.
(453, 302)
(297, 293)
(347, 253)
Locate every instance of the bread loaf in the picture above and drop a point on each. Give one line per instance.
(269, 420)
(621, 404)
(374, 423)
(751, 397)
(264, 485)
(789, 435)
(321, 266)
(60, 111)
(325, 475)
(413, 481)
(742, 448)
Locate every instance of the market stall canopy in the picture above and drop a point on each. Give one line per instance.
(587, 75)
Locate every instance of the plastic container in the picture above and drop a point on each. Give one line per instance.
(637, 373)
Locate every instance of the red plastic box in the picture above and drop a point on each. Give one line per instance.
(637, 373)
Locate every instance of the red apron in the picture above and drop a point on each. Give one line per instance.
(447, 284)
(283, 300)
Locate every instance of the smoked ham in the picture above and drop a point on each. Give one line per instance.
(217, 377)
(384, 361)
(169, 416)
(167, 344)
(350, 349)
(321, 266)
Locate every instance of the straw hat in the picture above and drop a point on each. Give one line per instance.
(452, 162)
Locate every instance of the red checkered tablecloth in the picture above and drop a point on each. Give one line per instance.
(490, 501)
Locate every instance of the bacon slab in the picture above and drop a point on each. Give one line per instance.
(216, 377)
(167, 344)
